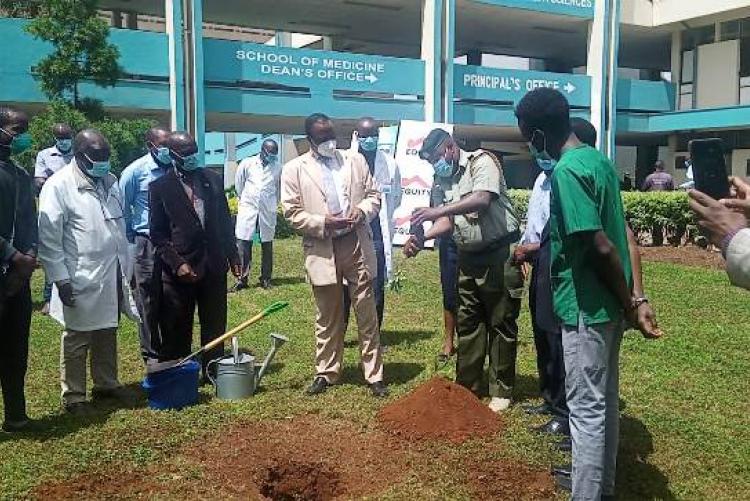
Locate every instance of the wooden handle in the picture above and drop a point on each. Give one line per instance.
(220, 339)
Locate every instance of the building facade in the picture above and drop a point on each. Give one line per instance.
(650, 74)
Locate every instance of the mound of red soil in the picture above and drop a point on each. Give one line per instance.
(439, 409)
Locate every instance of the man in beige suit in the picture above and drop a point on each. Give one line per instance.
(328, 195)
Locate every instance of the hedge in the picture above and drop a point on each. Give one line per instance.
(644, 212)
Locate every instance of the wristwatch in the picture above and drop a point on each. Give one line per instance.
(636, 302)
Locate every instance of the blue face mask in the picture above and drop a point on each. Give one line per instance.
(270, 158)
(19, 143)
(443, 168)
(98, 169)
(368, 143)
(64, 145)
(543, 159)
(190, 163)
(161, 154)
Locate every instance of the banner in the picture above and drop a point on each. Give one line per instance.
(416, 174)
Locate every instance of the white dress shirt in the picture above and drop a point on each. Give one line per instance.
(538, 213)
(333, 183)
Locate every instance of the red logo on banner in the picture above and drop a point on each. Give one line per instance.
(408, 181)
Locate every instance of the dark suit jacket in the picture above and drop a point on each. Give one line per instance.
(540, 294)
(177, 233)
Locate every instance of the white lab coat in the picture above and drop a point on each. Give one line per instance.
(388, 182)
(257, 188)
(82, 239)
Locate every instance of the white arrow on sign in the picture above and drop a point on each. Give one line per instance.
(371, 78)
(569, 88)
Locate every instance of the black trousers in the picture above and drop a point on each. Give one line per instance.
(15, 322)
(245, 248)
(177, 309)
(147, 293)
(551, 367)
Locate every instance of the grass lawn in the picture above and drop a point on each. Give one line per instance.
(685, 400)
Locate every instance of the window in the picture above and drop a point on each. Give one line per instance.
(694, 37)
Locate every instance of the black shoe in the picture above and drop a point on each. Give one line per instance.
(554, 426)
(320, 385)
(25, 425)
(565, 445)
(564, 470)
(265, 283)
(379, 389)
(238, 287)
(79, 409)
(537, 410)
(564, 483)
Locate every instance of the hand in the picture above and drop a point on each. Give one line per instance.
(714, 217)
(23, 264)
(412, 246)
(741, 200)
(186, 274)
(333, 223)
(646, 322)
(236, 269)
(356, 216)
(419, 216)
(66, 293)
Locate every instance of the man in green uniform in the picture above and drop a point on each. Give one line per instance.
(479, 214)
(591, 284)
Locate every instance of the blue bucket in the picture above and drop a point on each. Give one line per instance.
(173, 388)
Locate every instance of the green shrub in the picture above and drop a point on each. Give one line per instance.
(644, 211)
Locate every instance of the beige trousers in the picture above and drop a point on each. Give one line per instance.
(74, 350)
(330, 323)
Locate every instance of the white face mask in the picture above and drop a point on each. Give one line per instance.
(327, 148)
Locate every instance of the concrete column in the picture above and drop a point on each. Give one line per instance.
(677, 65)
(175, 33)
(327, 43)
(230, 162)
(432, 45)
(196, 101)
(449, 53)
(116, 18)
(131, 20)
(602, 68)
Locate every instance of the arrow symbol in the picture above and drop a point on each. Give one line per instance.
(569, 88)
(371, 78)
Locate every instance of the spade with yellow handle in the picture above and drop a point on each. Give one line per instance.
(273, 308)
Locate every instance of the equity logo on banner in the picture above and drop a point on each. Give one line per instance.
(416, 174)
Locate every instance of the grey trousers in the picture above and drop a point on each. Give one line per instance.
(245, 249)
(74, 351)
(592, 377)
(147, 294)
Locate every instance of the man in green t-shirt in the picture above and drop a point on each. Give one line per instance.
(591, 282)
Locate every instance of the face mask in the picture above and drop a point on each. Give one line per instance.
(98, 169)
(190, 163)
(162, 155)
(271, 159)
(443, 168)
(327, 148)
(20, 142)
(368, 143)
(64, 145)
(543, 159)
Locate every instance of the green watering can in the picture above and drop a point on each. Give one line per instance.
(236, 375)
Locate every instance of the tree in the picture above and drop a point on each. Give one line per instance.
(80, 49)
(19, 8)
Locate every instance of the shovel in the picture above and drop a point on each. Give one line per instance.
(273, 308)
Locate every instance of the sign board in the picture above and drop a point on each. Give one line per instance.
(416, 174)
(577, 8)
(509, 86)
(232, 61)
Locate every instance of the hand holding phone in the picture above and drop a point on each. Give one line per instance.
(709, 167)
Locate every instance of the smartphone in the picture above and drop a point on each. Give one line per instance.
(709, 168)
